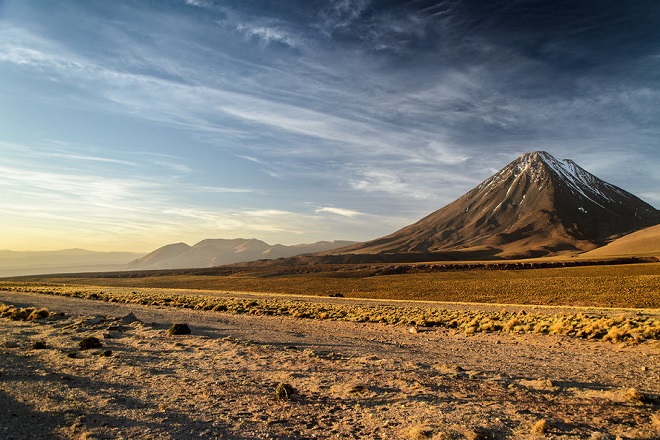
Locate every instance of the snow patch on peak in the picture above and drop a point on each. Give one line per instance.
(579, 180)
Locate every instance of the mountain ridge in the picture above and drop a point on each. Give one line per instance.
(219, 251)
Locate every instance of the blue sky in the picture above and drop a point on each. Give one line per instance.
(127, 125)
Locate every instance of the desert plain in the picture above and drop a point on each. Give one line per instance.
(331, 354)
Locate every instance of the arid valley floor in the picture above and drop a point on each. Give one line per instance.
(355, 366)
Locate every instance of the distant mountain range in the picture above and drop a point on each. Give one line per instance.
(206, 253)
(217, 252)
(17, 263)
(535, 206)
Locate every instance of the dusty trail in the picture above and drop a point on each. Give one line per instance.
(354, 379)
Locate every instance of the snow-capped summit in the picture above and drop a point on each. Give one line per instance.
(537, 205)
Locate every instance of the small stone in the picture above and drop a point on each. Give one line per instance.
(129, 319)
(89, 342)
(39, 345)
(179, 329)
(12, 344)
(106, 353)
(94, 321)
(413, 330)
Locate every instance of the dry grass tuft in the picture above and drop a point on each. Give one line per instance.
(655, 421)
(38, 314)
(539, 427)
(634, 396)
(476, 434)
(419, 432)
(19, 314)
(284, 391)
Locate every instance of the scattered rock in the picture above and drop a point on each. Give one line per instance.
(359, 388)
(12, 344)
(89, 342)
(179, 329)
(413, 330)
(94, 321)
(129, 319)
(106, 353)
(39, 345)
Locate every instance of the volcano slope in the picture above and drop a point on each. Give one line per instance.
(535, 206)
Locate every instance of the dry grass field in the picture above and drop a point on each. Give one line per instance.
(635, 286)
(622, 286)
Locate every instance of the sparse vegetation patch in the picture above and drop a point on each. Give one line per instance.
(22, 314)
(631, 328)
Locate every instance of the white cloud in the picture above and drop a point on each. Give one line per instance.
(80, 189)
(218, 111)
(219, 189)
(251, 223)
(250, 158)
(440, 153)
(339, 211)
(199, 3)
(77, 157)
(340, 14)
(268, 35)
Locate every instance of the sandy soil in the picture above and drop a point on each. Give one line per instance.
(351, 380)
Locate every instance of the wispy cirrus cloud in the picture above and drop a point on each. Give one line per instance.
(218, 189)
(339, 211)
(204, 113)
(199, 3)
(268, 35)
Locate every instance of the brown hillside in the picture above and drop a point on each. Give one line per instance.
(644, 243)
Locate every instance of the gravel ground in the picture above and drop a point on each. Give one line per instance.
(350, 380)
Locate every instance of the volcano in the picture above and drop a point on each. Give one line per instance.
(535, 206)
